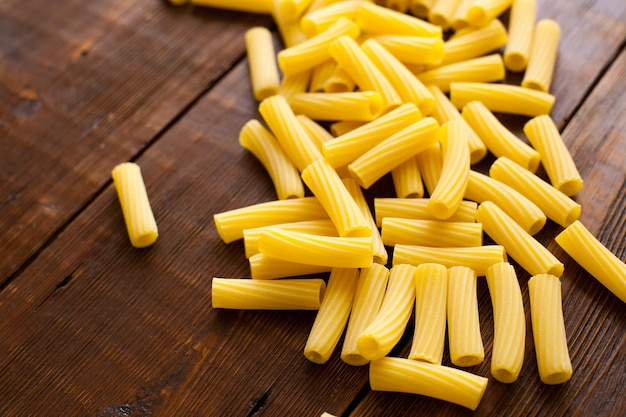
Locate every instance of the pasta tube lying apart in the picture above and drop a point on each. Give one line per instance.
(543, 53)
(521, 28)
(262, 62)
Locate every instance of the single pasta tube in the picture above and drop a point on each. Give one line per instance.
(482, 69)
(264, 267)
(431, 287)
(406, 84)
(262, 62)
(138, 216)
(367, 301)
(498, 139)
(340, 252)
(441, 13)
(377, 20)
(420, 8)
(288, 131)
(339, 82)
(362, 70)
(262, 144)
(341, 128)
(544, 136)
(349, 146)
(474, 43)
(509, 322)
(250, 6)
(316, 132)
(481, 188)
(393, 151)
(315, 22)
(407, 180)
(543, 55)
(413, 49)
(332, 194)
(361, 106)
(522, 247)
(435, 233)
(332, 315)
(521, 27)
(231, 224)
(465, 341)
(382, 334)
(555, 205)
(502, 98)
(546, 314)
(483, 11)
(436, 381)
(445, 111)
(594, 257)
(319, 75)
(249, 294)
(478, 258)
(449, 191)
(314, 51)
(430, 162)
(294, 84)
(417, 208)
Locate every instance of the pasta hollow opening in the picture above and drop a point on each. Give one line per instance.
(570, 187)
(376, 106)
(368, 347)
(557, 378)
(468, 360)
(504, 375)
(534, 85)
(440, 210)
(354, 359)
(556, 270)
(476, 16)
(515, 61)
(536, 226)
(146, 239)
(266, 92)
(314, 357)
(573, 215)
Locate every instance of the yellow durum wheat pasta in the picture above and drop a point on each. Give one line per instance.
(521, 28)
(436, 233)
(316, 132)
(543, 54)
(341, 128)
(407, 180)
(483, 11)
(482, 69)
(294, 84)
(417, 208)
(441, 13)
(289, 29)
(264, 267)
(360, 106)
(291, 10)
(262, 62)
(413, 49)
(430, 162)
(377, 20)
(474, 43)
(339, 82)
(459, 17)
(319, 75)
(317, 21)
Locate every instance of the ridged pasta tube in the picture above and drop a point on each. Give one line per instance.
(483, 11)
(317, 21)
(250, 6)
(262, 62)
(294, 84)
(474, 43)
(436, 381)
(375, 19)
(498, 139)
(332, 316)
(555, 205)
(289, 29)
(543, 54)
(367, 301)
(522, 247)
(430, 162)
(459, 17)
(521, 28)
(465, 341)
(393, 151)
(413, 49)
(138, 216)
(546, 312)
(594, 257)
(320, 74)
(435, 233)
(407, 180)
(509, 322)
(478, 258)
(382, 334)
(262, 144)
(264, 267)
(339, 82)
(441, 13)
(482, 69)
(361, 106)
(249, 294)
(316, 132)
(431, 287)
(417, 208)
(544, 136)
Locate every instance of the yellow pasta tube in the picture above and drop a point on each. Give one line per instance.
(431, 287)
(291, 10)
(502, 98)
(594, 257)
(332, 316)
(289, 29)
(498, 139)
(407, 180)
(522, 247)
(481, 188)
(436, 381)
(379, 250)
(320, 74)
(321, 19)
(294, 84)
(441, 13)
(362, 70)
(384, 332)
(546, 314)
(286, 178)
(509, 322)
(332, 194)
(341, 128)
(459, 17)
(361, 106)
(484, 11)
(339, 82)
(544, 136)
(521, 27)
(393, 151)
(138, 216)
(464, 339)
(478, 258)
(264, 267)
(378, 20)
(262, 62)
(474, 43)
(411, 90)
(340, 252)
(449, 191)
(413, 49)
(317, 133)
(430, 162)
(555, 205)
(367, 301)
(250, 6)
(349, 146)
(314, 51)
(543, 54)
(482, 69)
(417, 208)
(435, 233)
(445, 111)
(231, 224)
(288, 131)
(249, 294)
(420, 8)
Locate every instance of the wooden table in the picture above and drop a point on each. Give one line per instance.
(90, 326)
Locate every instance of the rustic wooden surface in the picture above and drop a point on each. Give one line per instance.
(90, 326)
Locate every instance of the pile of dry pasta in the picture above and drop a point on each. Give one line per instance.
(410, 87)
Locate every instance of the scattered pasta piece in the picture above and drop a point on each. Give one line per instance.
(543, 53)
(262, 62)
(521, 28)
